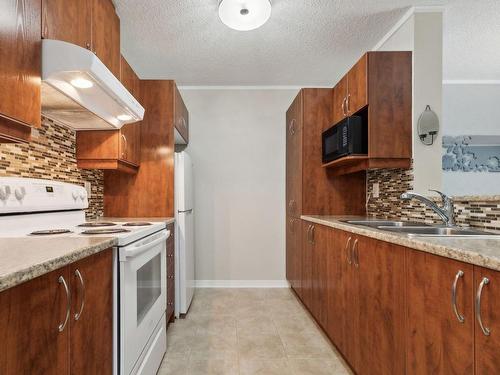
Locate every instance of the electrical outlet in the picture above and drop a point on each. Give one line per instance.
(376, 190)
(88, 187)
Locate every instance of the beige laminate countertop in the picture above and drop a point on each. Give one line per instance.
(484, 252)
(24, 258)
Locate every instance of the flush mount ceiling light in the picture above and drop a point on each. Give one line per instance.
(244, 15)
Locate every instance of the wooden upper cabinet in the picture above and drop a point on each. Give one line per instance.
(91, 24)
(70, 21)
(181, 117)
(20, 80)
(91, 342)
(30, 317)
(357, 84)
(438, 342)
(487, 335)
(106, 34)
(339, 100)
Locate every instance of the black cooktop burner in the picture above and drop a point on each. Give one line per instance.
(137, 224)
(97, 224)
(49, 231)
(105, 231)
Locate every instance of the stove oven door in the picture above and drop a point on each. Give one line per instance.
(142, 296)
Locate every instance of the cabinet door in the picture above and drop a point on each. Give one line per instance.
(320, 245)
(181, 115)
(30, 317)
(357, 96)
(338, 284)
(488, 312)
(69, 21)
(130, 134)
(380, 269)
(294, 157)
(438, 343)
(339, 100)
(306, 277)
(106, 34)
(20, 59)
(91, 342)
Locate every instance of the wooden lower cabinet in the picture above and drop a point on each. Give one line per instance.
(438, 343)
(32, 313)
(380, 275)
(393, 310)
(91, 334)
(487, 346)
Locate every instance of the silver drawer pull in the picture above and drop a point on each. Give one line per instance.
(355, 253)
(459, 316)
(79, 313)
(347, 250)
(68, 303)
(485, 281)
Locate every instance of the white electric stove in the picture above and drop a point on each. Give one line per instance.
(43, 208)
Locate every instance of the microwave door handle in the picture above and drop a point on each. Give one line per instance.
(141, 249)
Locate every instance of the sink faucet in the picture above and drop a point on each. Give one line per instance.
(446, 213)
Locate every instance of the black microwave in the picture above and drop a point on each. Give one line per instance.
(348, 137)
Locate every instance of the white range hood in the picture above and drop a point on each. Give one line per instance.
(79, 91)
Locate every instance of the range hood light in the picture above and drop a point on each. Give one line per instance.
(82, 83)
(124, 117)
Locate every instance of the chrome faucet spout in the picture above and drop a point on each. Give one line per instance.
(446, 213)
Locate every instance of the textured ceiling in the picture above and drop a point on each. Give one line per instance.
(305, 43)
(471, 40)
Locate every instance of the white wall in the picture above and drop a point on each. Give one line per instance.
(237, 142)
(422, 34)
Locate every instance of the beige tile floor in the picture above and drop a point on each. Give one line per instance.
(248, 332)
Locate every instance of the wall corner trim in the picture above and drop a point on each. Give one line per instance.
(241, 284)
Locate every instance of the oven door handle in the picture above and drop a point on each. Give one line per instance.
(143, 248)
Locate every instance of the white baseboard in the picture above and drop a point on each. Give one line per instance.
(241, 284)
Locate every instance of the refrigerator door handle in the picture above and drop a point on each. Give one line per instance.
(185, 211)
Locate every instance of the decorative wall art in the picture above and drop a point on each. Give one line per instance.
(471, 153)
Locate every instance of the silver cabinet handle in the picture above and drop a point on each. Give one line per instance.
(68, 303)
(459, 316)
(291, 127)
(485, 281)
(348, 250)
(79, 313)
(355, 253)
(309, 233)
(290, 225)
(343, 106)
(292, 205)
(124, 151)
(347, 101)
(313, 228)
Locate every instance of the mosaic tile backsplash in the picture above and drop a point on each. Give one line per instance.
(469, 211)
(52, 155)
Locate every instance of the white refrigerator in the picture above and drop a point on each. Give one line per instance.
(184, 234)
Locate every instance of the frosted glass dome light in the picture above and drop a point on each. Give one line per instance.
(244, 15)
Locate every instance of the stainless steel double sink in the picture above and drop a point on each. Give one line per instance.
(414, 229)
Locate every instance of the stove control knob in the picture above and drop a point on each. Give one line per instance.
(4, 193)
(83, 196)
(20, 193)
(74, 194)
